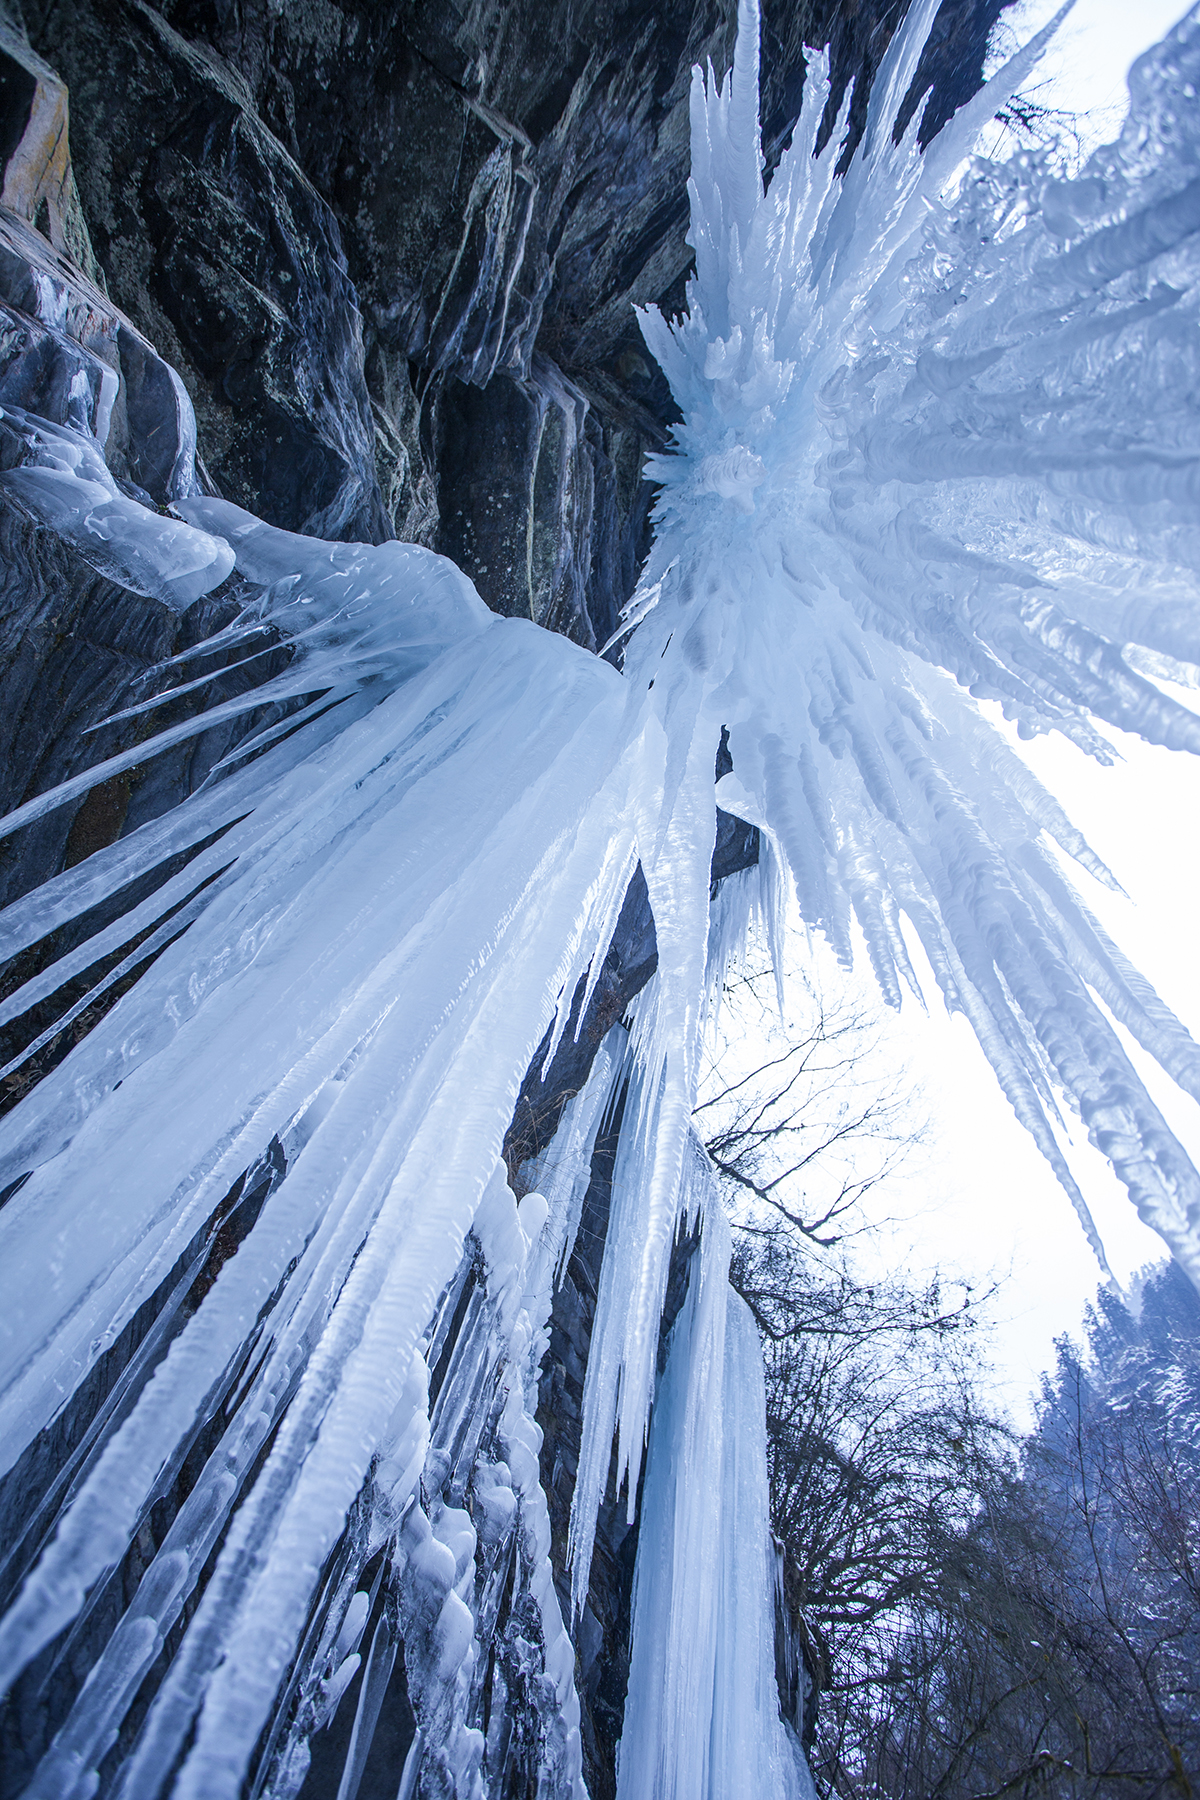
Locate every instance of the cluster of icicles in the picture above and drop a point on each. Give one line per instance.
(941, 439)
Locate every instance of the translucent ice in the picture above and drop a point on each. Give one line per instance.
(941, 435)
(702, 1712)
(65, 483)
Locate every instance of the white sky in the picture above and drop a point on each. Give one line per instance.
(982, 1199)
(1085, 67)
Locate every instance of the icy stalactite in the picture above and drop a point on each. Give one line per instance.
(940, 426)
(66, 485)
(560, 1175)
(702, 1715)
(445, 1570)
(351, 1249)
(940, 440)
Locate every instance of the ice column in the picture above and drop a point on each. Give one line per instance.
(702, 1714)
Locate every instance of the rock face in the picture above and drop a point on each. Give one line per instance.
(392, 253)
(394, 250)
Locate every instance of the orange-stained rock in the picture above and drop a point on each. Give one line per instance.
(39, 184)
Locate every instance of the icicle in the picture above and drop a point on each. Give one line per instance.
(66, 484)
(970, 414)
(562, 1171)
(702, 1709)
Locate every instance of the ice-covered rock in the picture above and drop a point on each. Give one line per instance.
(63, 480)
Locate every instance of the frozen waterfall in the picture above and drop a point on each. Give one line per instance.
(702, 1717)
(940, 443)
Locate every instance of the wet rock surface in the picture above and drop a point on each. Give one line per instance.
(210, 235)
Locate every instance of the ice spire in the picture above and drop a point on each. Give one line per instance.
(940, 443)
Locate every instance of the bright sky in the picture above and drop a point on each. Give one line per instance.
(992, 1203)
(1085, 67)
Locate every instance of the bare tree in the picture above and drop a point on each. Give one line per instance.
(1028, 120)
(867, 1381)
(1054, 1647)
(976, 1616)
(874, 1438)
(815, 1126)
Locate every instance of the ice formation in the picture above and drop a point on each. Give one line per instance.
(704, 1508)
(940, 439)
(941, 442)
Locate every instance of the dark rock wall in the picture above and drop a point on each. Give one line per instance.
(211, 237)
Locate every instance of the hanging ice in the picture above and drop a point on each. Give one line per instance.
(941, 434)
(66, 483)
(702, 1716)
(941, 440)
